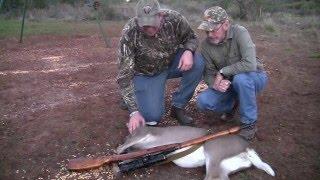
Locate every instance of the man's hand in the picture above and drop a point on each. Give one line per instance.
(186, 61)
(221, 84)
(216, 81)
(224, 85)
(135, 121)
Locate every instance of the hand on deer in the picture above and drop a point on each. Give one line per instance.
(135, 121)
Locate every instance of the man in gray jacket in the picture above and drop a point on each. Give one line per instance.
(233, 72)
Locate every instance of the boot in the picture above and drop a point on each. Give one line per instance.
(229, 116)
(181, 116)
(248, 131)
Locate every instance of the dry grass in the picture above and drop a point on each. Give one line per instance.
(11, 28)
(62, 11)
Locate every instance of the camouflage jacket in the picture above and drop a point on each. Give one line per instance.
(140, 54)
(237, 54)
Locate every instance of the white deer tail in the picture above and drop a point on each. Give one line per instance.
(256, 161)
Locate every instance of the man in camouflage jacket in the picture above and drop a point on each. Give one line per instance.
(233, 72)
(157, 45)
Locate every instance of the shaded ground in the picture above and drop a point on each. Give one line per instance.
(59, 100)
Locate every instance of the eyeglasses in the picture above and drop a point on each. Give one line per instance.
(217, 29)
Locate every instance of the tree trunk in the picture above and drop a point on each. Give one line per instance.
(248, 9)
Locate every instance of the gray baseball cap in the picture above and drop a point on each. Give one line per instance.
(212, 17)
(146, 12)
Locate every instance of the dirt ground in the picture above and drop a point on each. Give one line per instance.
(59, 100)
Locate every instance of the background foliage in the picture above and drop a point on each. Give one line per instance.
(115, 9)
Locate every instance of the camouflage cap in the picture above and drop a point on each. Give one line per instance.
(146, 11)
(212, 17)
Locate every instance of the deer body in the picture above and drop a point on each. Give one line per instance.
(221, 156)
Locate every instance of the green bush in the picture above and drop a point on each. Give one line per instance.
(315, 55)
(302, 7)
(269, 28)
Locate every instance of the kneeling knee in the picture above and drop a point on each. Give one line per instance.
(199, 62)
(202, 102)
(240, 79)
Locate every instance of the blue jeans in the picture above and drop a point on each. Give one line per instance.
(150, 90)
(244, 87)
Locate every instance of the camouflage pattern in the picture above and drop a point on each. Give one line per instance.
(212, 18)
(140, 54)
(146, 11)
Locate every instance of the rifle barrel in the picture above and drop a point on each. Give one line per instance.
(91, 163)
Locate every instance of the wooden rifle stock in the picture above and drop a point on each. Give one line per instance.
(91, 163)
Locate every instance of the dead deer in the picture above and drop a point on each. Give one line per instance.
(221, 156)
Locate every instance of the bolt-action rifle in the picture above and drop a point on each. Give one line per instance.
(91, 163)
